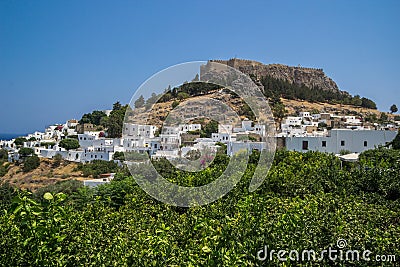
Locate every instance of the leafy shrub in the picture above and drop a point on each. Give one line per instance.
(68, 187)
(47, 144)
(31, 163)
(25, 151)
(19, 141)
(3, 155)
(97, 167)
(119, 156)
(307, 202)
(57, 159)
(175, 104)
(69, 143)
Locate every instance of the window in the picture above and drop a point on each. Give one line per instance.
(323, 143)
(365, 143)
(342, 143)
(305, 145)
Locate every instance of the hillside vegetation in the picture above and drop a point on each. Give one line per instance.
(308, 201)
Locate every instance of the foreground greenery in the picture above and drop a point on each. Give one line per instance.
(308, 201)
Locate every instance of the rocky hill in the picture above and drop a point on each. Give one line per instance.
(310, 77)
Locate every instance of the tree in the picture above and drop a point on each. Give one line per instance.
(117, 106)
(19, 141)
(182, 95)
(383, 117)
(116, 121)
(152, 99)
(95, 117)
(356, 101)
(25, 151)
(57, 159)
(175, 104)
(368, 103)
(396, 141)
(3, 154)
(209, 128)
(31, 163)
(393, 109)
(139, 102)
(279, 111)
(69, 143)
(196, 78)
(119, 156)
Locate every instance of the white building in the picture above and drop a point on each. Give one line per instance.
(100, 181)
(142, 145)
(189, 127)
(340, 139)
(293, 121)
(225, 128)
(222, 137)
(235, 147)
(305, 115)
(138, 130)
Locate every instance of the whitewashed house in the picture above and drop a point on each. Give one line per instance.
(337, 140)
(138, 130)
(184, 128)
(237, 146)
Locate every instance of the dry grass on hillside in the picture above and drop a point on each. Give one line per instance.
(44, 175)
(293, 106)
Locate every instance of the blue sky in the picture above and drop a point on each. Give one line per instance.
(60, 59)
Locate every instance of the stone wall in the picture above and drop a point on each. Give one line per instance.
(311, 77)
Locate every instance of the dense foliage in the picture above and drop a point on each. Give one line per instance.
(96, 117)
(97, 167)
(19, 141)
(308, 201)
(396, 141)
(69, 143)
(31, 163)
(116, 120)
(393, 109)
(25, 151)
(4, 165)
(281, 88)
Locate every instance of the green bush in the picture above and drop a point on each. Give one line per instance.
(306, 202)
(69, 143)
(19, 141)
(25, 151)
(119, 156)
(3, 155)
(47, 144)
(97, 167)
(31, 163)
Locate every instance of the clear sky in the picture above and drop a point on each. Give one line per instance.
(60, 59)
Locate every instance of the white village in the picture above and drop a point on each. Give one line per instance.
(347, 137)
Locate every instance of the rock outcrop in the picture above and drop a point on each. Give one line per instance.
(310, 77)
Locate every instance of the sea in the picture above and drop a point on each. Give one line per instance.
(9, 136)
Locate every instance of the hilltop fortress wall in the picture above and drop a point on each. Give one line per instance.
(311, 77)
